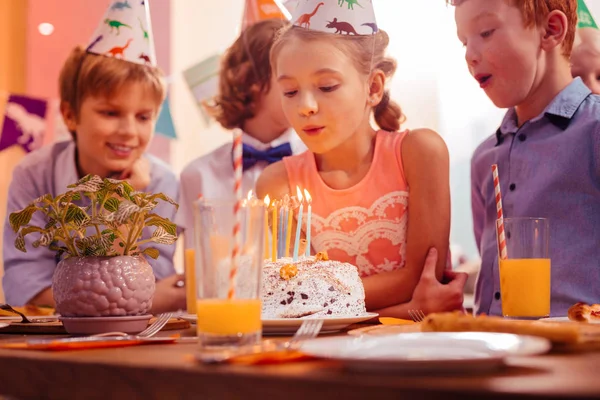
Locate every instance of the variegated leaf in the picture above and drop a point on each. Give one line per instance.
(164, 197)
(157, 220)
(89, 183)
(21, 218)
(151, 252)
(161, 236)
(112, 204)
(125, 211)
(76, 215)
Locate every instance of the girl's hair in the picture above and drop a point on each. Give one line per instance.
(367, 53)
(84, 74)
(245, 74)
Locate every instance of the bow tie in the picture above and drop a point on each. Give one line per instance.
(251, 155)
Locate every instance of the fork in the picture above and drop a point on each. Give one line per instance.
(309, 329)
(161, 321)
(24, 319)
(416, 315)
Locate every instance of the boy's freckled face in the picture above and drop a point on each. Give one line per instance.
(324, 95)
(501, 53)
(112, 133)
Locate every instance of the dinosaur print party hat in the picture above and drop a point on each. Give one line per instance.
(344, 17)
(125, 32)
(584, 17)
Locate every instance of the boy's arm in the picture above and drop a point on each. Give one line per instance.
(477, 204)
(430, 295)
(26, 275)
(190, 188)
(426, 167)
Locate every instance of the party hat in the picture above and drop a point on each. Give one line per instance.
(259, 10)
(344, 17)
(584, 17)
(125, 32)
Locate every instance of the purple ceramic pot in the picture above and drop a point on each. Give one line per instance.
(103, 286)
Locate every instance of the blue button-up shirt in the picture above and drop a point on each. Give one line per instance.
(49, 170)
(549, 167)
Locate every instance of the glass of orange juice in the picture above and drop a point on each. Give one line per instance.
(228, 303)
(525, 273)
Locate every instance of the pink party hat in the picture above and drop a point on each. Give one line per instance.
(125, 32)
(344, 17)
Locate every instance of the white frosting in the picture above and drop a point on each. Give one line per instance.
(320, 289)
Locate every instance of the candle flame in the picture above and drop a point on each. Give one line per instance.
(307, 196)
(267, 200)
(299, 192)
(250, 194)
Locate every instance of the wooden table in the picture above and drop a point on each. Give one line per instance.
(169, 372)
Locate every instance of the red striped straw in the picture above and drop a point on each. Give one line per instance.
(500, 216)
(237, 226)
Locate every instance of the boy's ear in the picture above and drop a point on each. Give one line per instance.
(68, 115)
(376, 87)
(555, 30)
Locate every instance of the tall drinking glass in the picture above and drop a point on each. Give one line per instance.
(226, 321)
(525, 273)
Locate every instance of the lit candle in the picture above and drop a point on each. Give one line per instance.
(288, 228)
(274, 233)
(267, 202)
(299, 226)
(308, 218)
(248, 214)
(280, 231)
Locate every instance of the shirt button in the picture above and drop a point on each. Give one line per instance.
(512, 187)
(522, 137)
(497, 295)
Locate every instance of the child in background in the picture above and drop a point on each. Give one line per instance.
(546, 148)
(585, 59)
(110, 106)
(331, 84)
(247, 101)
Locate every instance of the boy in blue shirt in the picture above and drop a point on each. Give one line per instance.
(547, 148)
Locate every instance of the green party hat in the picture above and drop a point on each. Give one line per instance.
(584, 17)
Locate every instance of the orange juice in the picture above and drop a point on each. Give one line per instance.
(190, 280)
(525, 287)
(228, 317)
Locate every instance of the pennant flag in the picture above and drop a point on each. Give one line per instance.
(344, 17)
(203, 81)
(584, 16)
(259, 10)
(24, 123)
(164, 125)
(125, 32)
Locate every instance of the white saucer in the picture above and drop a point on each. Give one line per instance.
(91, 325)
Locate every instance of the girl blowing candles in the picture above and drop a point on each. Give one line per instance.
(331, 72)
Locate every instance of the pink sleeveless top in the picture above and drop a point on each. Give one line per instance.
(366, 224)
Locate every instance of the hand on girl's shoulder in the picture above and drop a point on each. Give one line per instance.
(273, 181)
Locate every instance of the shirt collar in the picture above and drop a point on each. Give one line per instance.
(559, 112)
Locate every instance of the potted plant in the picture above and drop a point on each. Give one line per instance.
(96, 229)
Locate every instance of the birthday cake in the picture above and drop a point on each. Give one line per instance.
(311, 287)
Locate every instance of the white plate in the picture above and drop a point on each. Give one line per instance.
(289, 326)
(4, 324)
(566, 319)
(426, 351)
